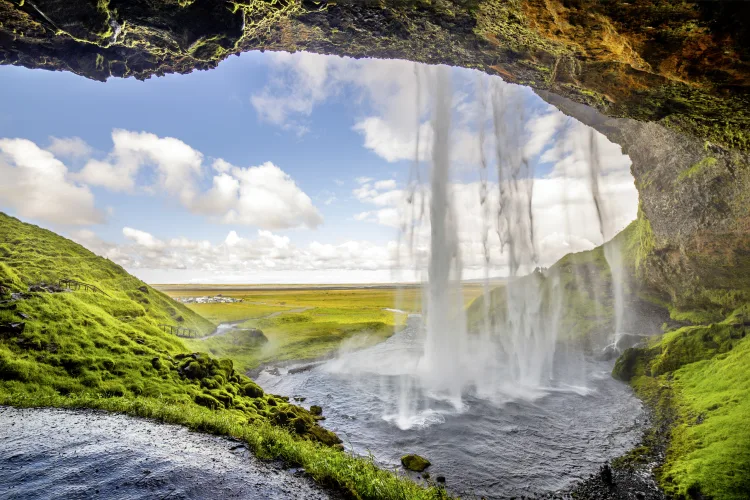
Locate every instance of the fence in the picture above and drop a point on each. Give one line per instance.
(180, 331)
(78, 285)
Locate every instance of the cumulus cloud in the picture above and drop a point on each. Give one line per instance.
(69, 147)
(175, 164)
(37, 185)
(263, 195)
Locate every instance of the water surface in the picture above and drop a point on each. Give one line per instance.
(511, 443)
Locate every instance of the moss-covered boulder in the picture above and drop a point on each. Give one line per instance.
(625, 366)
(415, 463)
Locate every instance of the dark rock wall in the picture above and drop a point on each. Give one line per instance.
(685, 63)
(694, 243)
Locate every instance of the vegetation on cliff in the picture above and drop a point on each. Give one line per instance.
(697, 379)
(684, 64)
(695, 376)
(104, 349)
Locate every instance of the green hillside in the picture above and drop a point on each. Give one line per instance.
(104, 349)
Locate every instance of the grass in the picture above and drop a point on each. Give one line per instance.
(698, 379)
(91, 350)
(304, 323)
(575, 296)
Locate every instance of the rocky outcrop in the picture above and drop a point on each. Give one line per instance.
(686, 64)
(692, 247)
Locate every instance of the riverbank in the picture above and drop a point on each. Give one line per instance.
(88, 453)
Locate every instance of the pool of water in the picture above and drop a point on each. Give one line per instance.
(511, 443)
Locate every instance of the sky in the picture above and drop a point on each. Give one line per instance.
(297, 168)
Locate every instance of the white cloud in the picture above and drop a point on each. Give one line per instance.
(143, 238)
(69, 147)
(386, 184)
(392, 145)
(37, 185)
(267, 251)
(176, 165)
(262, 196)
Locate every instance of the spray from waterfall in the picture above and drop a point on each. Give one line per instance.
(514, 350)
(612, 251)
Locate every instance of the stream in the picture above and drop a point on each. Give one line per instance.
(53, 453)
(489, 447)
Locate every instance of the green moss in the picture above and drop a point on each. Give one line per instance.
(698, 168)
(415, 463)
(640, 241)
(696, 379)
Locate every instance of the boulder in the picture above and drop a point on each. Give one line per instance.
(415, 463)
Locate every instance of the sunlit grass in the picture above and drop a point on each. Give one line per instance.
(303, 324)
(90, 350)
(699, 378)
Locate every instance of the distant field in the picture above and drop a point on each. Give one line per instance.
(302, 321)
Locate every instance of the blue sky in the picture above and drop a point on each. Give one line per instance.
(340, 136)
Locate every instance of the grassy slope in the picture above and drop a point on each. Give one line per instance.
(84, 349)
(577, 289)
(697, 378)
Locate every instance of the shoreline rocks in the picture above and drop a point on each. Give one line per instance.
(415, 463)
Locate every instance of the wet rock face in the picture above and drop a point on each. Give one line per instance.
(693, 243)
(686, 61)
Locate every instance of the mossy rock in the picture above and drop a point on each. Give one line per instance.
(251, 390)
(316, 410)
(207, 401)
(626, 364)
(415, 463)
(325, 436)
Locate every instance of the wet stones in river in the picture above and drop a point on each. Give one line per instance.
(415, 463)
(316, 410)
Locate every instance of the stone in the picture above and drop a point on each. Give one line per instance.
(12, 329)
(606, 475)
(415, 463)
(316, 410)
(440, 479)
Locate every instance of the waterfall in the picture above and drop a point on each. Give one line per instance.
(612, 252)
(514, 350)
(445, 343)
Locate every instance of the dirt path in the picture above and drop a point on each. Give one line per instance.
(51, 453)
